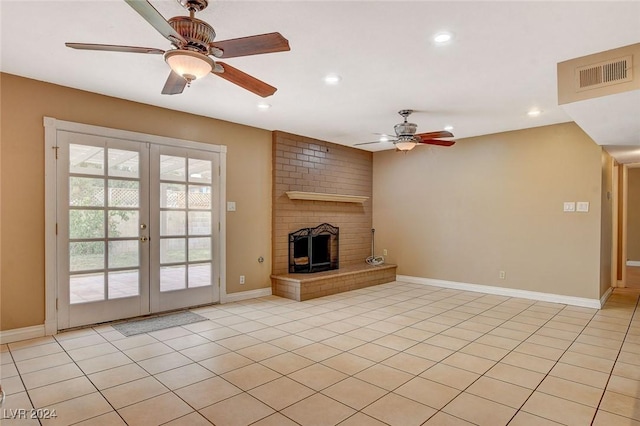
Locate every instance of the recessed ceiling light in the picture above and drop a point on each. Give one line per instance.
(332, 79)
(384, 138)
(534, 113)
(442, 37)
(448, 128)
(263, 106)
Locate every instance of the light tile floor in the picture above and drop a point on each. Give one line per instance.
(396, 354)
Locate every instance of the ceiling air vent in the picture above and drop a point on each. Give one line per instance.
(604, 73)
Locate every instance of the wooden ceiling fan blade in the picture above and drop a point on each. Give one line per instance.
(175, 84)
(244, 80)
(433, 135)
(114, 48)
(157, 21)
(253, 45)
(437, 142)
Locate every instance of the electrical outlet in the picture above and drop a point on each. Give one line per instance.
(503, 275)
(241, 279)
(385, 252)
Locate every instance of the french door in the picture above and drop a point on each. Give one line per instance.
(185, 209)
(137, 224)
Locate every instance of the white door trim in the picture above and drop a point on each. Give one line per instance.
(51, 127)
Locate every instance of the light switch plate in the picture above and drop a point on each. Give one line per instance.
(582, 206)
(569, 206)
(231, 206)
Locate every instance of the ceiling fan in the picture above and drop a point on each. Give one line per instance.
(406, 138)
(193, 42)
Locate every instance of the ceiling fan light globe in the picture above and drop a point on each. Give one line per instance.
(188, 64)
(405, 145)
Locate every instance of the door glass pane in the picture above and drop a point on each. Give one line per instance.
(86, 192)
(84, 256)
(199, 171)
(172, 195)
(200, 275)
(199, 249)
(173, 223)
(173, 168)
(84, 159)
(172, 277)
(123, 223)
(199, 223)
(172, 250)
(124, 163)
(86, 287)
(86, 224)
(123, 284)
(124, 193)
(199, 197)
(123, 254)
(185, 210)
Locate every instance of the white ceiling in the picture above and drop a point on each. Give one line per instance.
(500, 63)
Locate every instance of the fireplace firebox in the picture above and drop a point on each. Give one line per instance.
(314, 249)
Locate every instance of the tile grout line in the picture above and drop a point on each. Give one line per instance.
(89, 379)
(604, 391)
(398, 303)
(345, 351)
(507, 354)
(554, 364)
(454, 352)
(26, 391)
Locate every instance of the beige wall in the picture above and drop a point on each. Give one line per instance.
(633, 214)
(25, 102)
(495, 203)
(461, 214)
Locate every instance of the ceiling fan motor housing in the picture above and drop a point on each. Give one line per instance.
(199, 34)
(405, 129)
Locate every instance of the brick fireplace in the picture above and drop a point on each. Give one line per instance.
(317, 182)
(309, 165)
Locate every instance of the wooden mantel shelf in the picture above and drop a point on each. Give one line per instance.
(319, 196)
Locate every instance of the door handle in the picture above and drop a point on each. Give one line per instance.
(144, 239)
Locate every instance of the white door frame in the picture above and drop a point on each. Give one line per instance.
(51, 127)
(625, 218)
(615, 223)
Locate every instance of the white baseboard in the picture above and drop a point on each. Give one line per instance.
(509, 292)
(51, 327)
(633, 262)
(24, 333)
(244, 295)
(605, 296)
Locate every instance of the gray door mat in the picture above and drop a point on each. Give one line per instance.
(131, 328)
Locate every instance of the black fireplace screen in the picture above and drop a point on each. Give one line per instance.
(314, 249)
